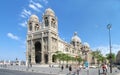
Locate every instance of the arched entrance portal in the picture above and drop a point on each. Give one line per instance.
(53, 58)
(38, 53)
(46, 58)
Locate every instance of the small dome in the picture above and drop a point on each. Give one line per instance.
(75, 38)
(86, 44)
(49, 11)
(34, 18)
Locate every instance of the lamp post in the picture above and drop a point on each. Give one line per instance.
(110, 60)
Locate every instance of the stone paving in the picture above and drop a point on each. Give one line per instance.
(57, 71)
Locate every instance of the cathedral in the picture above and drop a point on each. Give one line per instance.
(43, 41)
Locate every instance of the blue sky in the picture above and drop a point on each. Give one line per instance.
(88, 18)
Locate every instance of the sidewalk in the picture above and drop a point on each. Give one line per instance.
(57, 71)
(115, 71)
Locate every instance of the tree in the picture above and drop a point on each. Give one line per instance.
(62, 56)
(97, 54)
(58, 55)
(66, 57)
(79, 59)
(112, 56)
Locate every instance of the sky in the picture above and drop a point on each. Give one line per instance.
(89, 18)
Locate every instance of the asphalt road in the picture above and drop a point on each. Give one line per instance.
(14, 72)
(23, 70)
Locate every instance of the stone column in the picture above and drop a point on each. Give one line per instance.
(49, 19)
(42, 51)
(49, 48)
(32, 51)
(27, 55)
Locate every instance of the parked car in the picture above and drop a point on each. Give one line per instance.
(92, 66)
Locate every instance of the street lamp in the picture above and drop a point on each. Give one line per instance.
(109, 27)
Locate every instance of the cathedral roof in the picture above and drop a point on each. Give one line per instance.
(86, 44)
(75, 38)
(49, 11)
(34, 18)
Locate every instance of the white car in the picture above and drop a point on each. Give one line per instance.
(92, 66)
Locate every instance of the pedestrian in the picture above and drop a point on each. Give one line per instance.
(49, 65)
(80, 67)
(106, 67)
(78, 71)
(62, 67)
(103, 68)
(70, 69)
(66, 65)
(30, 64)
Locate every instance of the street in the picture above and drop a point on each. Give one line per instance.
(14, 72)
(40, 70)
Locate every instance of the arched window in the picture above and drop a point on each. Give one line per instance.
(73, 43)
(66, 49)
(30, 26)
(46, 21)
(53, 23)
(36, 27)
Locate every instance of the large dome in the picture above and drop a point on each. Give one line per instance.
(34, 18)
(75, 38)
(49, 11)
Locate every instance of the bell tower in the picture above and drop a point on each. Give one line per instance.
(50, 26)
(33, 27)
(50, 20)
(33, 23)
(42, 38)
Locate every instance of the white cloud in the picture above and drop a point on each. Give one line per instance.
(35, 5)
(105, 49)
(25, 13)
(32, 6)
(23, 16)
(24, 24)
(10, 35)
(38, 5)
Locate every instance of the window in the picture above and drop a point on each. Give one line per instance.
(36, 27)
(72, 51)
(30, 26)
(66, 49)
(46, 21)
(53, 23)
(73, 43)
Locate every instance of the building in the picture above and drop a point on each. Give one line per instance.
(118, 58)
(43, 41)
